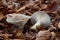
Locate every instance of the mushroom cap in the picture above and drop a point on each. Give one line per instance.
(41, 16)
(18, 19)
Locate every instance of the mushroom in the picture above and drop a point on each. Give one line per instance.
(18, 19)
(40, 19)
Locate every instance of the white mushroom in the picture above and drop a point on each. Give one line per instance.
(40, 18)
(18, 19)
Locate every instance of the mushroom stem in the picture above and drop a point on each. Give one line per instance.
(37, 24)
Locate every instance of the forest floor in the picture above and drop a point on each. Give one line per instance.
(27, 7)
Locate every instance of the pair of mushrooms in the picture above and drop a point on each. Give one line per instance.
(38, 19)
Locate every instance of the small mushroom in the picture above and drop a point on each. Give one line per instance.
(18, 19)
(40, 19)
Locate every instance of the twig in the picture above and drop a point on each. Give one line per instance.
(22, 8)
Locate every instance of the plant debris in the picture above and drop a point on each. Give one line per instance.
(10, 31)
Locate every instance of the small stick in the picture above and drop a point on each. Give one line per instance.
(28, 12)
(22, 8)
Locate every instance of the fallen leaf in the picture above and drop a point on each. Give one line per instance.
(59, 25)
(4, 36)
(53, 35)
(43, 35)
(19, 35)
(43, 6)
(1, 15)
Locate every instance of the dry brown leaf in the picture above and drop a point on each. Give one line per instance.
(4, 36)
(10, 6)
(59, 25)
(18, 39)
(30, 36)
(43, 35)
(19, 35)
(31, 2)
(1, 15)
(53, 35)
(43, 6)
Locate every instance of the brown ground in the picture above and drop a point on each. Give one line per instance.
(28, 7)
